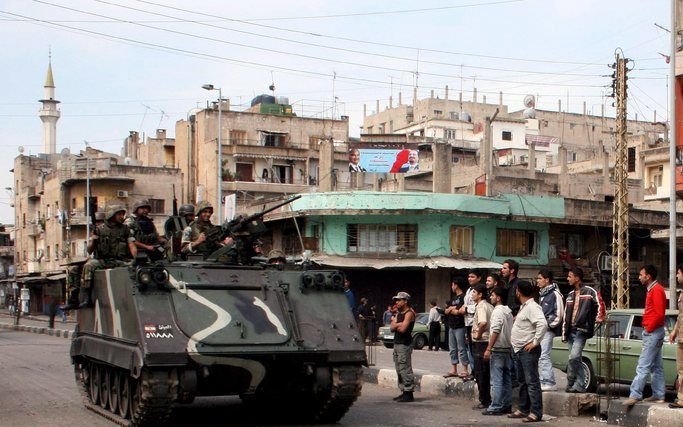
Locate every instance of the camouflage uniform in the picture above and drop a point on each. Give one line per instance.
(144, 230)
(111, 248)
(173, 230)
(191, 233)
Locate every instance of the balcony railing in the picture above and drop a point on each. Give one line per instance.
(6, 251)
(34, 229)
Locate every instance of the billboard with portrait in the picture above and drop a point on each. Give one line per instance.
(384, 159)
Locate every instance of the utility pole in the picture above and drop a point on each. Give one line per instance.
(486, 153)
(620, 258)
(672, 158)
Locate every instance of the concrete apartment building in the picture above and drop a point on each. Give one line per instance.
(50, 204)
(266, 152)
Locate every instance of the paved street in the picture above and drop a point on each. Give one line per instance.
(37, 389)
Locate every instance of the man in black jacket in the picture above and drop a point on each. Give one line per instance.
(584, 308)
(509, 272)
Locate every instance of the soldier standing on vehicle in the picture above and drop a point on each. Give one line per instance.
(402, 327)
(147, 239)
(114, 246)
(650, 361)
(678, 332)
(194, 236)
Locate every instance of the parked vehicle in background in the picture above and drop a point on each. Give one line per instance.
(420, 334)
(626, 337)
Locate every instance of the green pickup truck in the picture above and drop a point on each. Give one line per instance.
(626, 341)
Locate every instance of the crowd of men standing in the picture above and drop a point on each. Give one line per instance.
(501, 332)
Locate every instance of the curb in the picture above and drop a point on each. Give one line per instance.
(556, 404)
(62, 333)
(644, 415)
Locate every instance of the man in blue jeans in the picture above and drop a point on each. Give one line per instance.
(650, 360)
(498, 354)
(527, 332)
(584, 308)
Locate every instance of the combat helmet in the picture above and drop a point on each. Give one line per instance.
(141, 204)
(276, 255)
(204, 204)
(186, 210)
(113, 210)
(100, 216)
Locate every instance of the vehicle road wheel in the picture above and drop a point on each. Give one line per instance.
(114, 385)
(105, 384)
(94, 384)
(124, 395)
(419, 341)
(590, 379)
(135, 395)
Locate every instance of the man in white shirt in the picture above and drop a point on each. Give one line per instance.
(434, 322)
(527, 333)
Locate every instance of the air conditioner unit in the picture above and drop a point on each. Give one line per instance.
(121, 193)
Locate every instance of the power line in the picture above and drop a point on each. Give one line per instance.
(315, 74)
(368, 42)
(324, 59)
(386, 12)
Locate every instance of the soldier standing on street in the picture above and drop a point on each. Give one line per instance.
(147, 239)
(113, 245)
(402, 326)
(194, 236)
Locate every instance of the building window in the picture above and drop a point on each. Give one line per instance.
(461, 240)
(632, 159)
(47, 253)
(282, 174)
(380, 128)
(380, 238)
(507, 135)
(157, 206)
(438, 112)
(369, 130)
(453, 115)
(656, 173)
(450, 134)
(270, 139)
(391, 126)
(238, 137)
(517, 243)
(57, 251)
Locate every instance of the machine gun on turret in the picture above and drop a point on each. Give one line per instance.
(243, 230)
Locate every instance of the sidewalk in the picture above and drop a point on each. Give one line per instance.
(37, 324)
(430, 366)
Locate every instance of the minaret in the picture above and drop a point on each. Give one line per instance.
(49, 114)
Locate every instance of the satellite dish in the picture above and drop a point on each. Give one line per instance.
(64, 153)
(21, 149)
(529, 101)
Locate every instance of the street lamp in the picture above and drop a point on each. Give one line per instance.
(219, 190)
(17, 312)
(87, 198)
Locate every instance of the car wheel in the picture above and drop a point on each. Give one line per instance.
(419, 341)
(388, 345)
(590, 379)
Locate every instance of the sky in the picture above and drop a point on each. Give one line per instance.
(122, 65)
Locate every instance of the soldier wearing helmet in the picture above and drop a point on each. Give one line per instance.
(142, 227)
(276, 257)
(99, 218)
(194, 236)
(173, 230)
(113, 244)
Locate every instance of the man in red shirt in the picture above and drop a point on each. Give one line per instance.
(650, 360)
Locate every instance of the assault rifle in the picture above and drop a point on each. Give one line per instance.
(241, 229)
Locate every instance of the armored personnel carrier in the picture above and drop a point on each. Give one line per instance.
(162, 334)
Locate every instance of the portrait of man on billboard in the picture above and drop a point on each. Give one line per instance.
(413, 162)
(354, 161)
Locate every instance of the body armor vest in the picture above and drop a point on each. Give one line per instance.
(113, 241)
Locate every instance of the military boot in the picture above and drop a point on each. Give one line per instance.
(407, 396)
(87, 300)
(72, 303)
